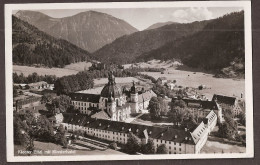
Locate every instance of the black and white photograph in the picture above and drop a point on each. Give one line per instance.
(128, 80)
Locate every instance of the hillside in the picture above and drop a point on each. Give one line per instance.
(88, 30)
(127, 48)
(159, 24)
(32, 46)
(218, 47)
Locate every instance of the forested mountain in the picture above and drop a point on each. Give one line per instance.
(32, 46)
(159, 24)
(127, 48)
(219, 46)
(88, 30)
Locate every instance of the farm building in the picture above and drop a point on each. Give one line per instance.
(38, 85)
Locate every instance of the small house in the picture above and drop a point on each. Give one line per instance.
(161, 80)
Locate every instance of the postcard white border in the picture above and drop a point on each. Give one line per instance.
(9, 69)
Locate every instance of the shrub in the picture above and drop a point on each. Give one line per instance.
(113, 145)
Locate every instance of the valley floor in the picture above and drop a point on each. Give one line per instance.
(59, 72)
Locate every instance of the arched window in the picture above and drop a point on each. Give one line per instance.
(106, 102)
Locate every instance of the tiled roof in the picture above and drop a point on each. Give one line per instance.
(211, 116)
(209, 105)
(84, 97)
(224, 99)
(146, 96)
(163, 133)
(201, 103)
(199, 132)
(101, 115)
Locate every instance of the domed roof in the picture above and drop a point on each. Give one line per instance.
(111, 89)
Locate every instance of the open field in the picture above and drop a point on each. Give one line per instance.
(56, 150)
(95, 90)
(119, 80)
(145, 119)
(59, 72)
(80, 66)
(154, 64)
(217, 147)
(190, 77)
(99, 84)
(214, 85)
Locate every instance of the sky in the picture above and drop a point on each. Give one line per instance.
(141, 18)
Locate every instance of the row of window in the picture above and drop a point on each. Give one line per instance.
(89, 131)
(84, 104)
(168, 142)
(108, 137)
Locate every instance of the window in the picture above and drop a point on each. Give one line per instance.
(180, 149)
(180, 144)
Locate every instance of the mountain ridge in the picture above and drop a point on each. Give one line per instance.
(32, 46)
(89, 30)
(218, 47)
(159, 24)
(126, 48)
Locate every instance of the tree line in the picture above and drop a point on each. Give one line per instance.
(133, 146)
(217, 46)
(85, 79)
(32, 78)
(34, 47)
(28, 128)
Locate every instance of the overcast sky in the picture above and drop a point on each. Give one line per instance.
(141, 18)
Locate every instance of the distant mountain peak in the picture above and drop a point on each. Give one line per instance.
(89, 30)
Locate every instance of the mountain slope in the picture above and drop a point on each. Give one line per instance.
(88, 30)
(127, 48)
(159, 24)
(32, 46)
(218, 47)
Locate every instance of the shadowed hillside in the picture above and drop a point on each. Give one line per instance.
(218, 47)
(88, 30)
(127, 48)
(32, 46)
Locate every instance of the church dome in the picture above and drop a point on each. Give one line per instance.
(111, 89)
